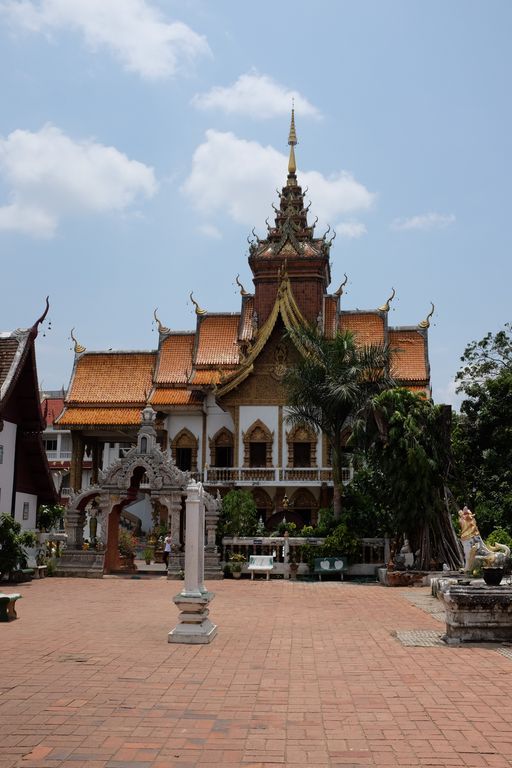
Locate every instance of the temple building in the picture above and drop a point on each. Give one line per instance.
(218, 389)
(25, 480)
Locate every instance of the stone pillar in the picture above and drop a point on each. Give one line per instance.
(77, 459)
(95, 462)
(212, 567)
(176, 559)
(194, 625)
(74, 527)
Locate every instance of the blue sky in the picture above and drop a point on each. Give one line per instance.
(141, 140)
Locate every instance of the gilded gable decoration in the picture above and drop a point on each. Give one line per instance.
(278, 372)
(198, 309)
(162, 329)
(79, 348)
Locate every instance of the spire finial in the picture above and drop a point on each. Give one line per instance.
(385, 307)
(198, 309)
(426, 322)
(292, 141)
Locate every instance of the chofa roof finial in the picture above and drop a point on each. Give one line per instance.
(426, 322)
(161, 328)
(243, 292)
(385, 307)
(199, 311)
(79, 348)
(339, 292)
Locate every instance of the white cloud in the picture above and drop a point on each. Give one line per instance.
(425, 222)
(49, 175)
(448, 395)
(239, 177)
(133, 30)
(209, 230)
(256, 95)
(350, 229)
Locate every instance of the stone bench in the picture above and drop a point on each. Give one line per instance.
(260, 564)
(324, 565)
(7, 606)
(40, 571)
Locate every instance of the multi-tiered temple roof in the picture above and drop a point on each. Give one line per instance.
(291, 276)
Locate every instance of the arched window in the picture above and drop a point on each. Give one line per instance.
(301, 443)
(221, 448)
(184, 451)
(143, 445)
(258, 442)
(304, 504)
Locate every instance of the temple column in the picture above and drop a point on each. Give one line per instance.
(193, 626)
(77, 460)
(95, 461)
(176, 559)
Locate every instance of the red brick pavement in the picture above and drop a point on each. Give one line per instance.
(298, 675)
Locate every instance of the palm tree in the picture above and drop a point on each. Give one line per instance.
(332, 386)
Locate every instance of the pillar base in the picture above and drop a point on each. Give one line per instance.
(194, 626)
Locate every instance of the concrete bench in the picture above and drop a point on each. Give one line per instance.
(260, 564)
(40, 571)
(7, 606)
(22, 574)
(324, 565)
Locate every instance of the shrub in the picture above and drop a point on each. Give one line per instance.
(500, 536)
(12, 543)
(48, 515)
(340, 542)
(127, 544)
(239, 516)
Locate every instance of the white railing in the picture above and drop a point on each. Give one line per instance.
(272, 475)
(58, 455)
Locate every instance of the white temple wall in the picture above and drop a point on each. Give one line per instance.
(191, 421)
(269, 415)
(7, 451)
(25, 509)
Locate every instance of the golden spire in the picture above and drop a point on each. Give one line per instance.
(79, 348)
(385, 307)
(426, 322)
(292, 141)
(199, 311)
(161, 328)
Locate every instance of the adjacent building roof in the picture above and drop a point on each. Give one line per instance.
(367, 327)
(112, 377)
(217, 341)
(410, 361)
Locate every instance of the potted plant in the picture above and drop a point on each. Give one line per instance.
(236, 562)
(148, 555)
(127, 548)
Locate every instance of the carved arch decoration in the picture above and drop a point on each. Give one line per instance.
(303, 499)
(186, 439)
(258, 432)
(301, 434)
(223, 438)
(262, 500)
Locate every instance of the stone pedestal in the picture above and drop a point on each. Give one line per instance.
(212, 569)
(194, 626)
(88, 564)
(478, 614)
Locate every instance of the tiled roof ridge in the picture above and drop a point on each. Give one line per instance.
(22, 337)
(118, 352)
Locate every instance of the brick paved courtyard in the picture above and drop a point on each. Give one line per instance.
(300, 674)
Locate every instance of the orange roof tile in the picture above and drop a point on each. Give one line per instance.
(175, 359)
(246, 329)
(331, 304)
(112, 377)
(409, 360)
(168, 396)
(210, 376)
(367, 327)
(218, 340)
(99, 417)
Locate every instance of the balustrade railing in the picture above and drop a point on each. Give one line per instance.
(272, 475)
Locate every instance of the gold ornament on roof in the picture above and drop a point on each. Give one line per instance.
(161, 328)
(79, 348)
(339, 292)
(426, 322)
(385, 307)
(199, 311)
(292, 141)
(243, 292)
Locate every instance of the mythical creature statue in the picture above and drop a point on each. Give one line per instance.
(476, 552)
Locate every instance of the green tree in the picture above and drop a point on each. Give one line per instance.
(482, 433)
(238, 516)
(331, 387)
(12, 545)
(408, 443)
